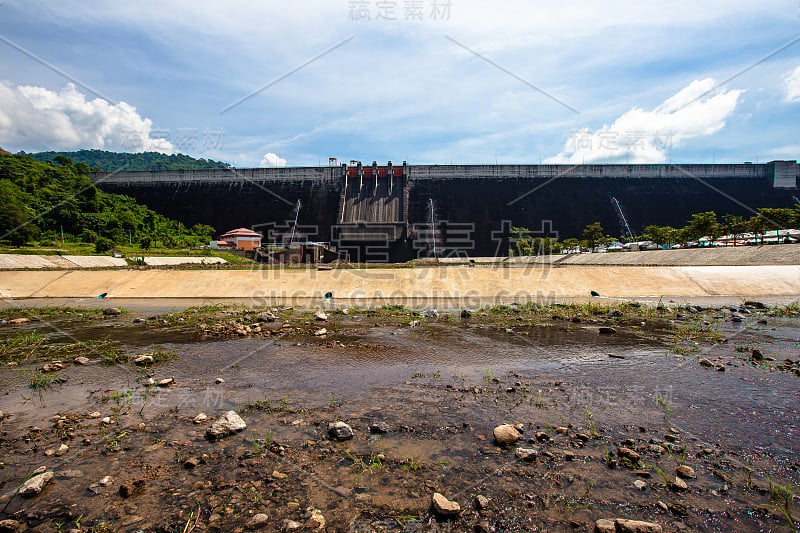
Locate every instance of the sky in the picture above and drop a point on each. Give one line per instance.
(425, 81)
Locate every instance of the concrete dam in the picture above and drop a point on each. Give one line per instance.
(399, 212)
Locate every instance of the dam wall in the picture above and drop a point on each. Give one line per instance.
(396, 213)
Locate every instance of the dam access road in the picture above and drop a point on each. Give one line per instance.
(772, 272)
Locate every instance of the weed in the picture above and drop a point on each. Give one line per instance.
(663, 402)
(42, 381)
(783, 495)
(411, 463)
(589, 416)
(488, 376)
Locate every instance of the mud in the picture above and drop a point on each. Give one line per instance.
(440, 386)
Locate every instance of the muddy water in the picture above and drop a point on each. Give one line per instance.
(448, 385)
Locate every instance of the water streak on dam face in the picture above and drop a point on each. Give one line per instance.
(386, 208)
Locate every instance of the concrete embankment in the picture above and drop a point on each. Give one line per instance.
(403, 285)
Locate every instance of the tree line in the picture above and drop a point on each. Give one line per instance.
(103, 161)
(57, 202)
(705, 224)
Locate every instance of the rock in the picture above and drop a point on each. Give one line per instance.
(139, 321)
(444, 507)
(17, 321)
(686, 472)
(320, 332)
(100, 486)
(542, 436)
(483, 527)
(166, 382)
(604, 525)
(321, 316)
(526, 454)
(35, 485)
(279, 475)
(413, 324)
(200, 418)
(678, 485)
(481, 502)
(569, 456)
(291, 525)
(9, 526)
(219, 381)
(93, 414)
(562, 430)
(111, 311)
(61, 450)
(228, 423)
(756, 355)
(754, 304)
(340, 431)
(69, 474)
(431, 313)
(106, 420)
(143, 359)
(257, 521)
(465, 313)
(706, 363)
(628, 454)
(191, 462)
(605, 330)
(81, 360)
(317, 519)
(379, 427)
(639, 484)
(636, 526)
(506, 434)
(267, 317)
(53, 366)
(126, 490)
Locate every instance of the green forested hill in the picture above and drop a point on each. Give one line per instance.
(114, 161)
(40, 200)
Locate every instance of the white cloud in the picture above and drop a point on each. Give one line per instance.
(641, 136)
(35, 118)
(793, 86)
(272, 160)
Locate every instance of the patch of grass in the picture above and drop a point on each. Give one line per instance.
(791, 311)
(161, 355)
(783, 495)
(411, 464)
(20, 346)
(42, 381)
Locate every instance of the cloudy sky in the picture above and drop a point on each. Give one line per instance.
(428, 81)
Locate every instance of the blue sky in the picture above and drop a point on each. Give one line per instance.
(446, 80)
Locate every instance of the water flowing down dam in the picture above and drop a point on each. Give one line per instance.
(393, 212)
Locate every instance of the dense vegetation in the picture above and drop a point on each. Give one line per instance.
(41, 201)
(705, 224)
(113, 161)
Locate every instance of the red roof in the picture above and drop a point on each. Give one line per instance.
(241, 232)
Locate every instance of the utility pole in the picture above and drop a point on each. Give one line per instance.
(433, 229)
(296, 216)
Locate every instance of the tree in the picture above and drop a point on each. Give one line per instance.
(592, 234)
(702, 225)
(733, 225)
(16, 218)
(779, 218)
(758, 226)
(520, 241)
(103, 245)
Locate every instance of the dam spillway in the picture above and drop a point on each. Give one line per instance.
(395, 212)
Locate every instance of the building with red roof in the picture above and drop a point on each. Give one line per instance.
(240, 239)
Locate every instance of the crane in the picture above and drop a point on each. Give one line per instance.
(622, 216)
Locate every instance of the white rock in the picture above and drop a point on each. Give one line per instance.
(229, 422)
(200, 418)
(34, 485)
(320, 315)
(506, 434)
(445, 507)
(81, 360)
(143, 359)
